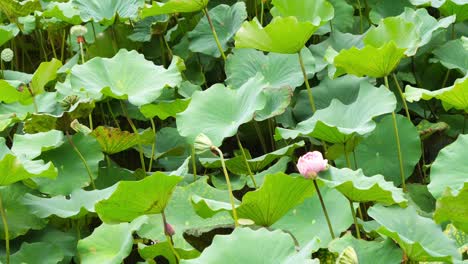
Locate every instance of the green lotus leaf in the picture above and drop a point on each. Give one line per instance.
(226, 21)
(65, 12)
(459, 236)
(419, 237)
(41, 252)
(7, 32)
(280, 166)
(17, 169)
(449, 168)
(453, 55)
(107, 10)
(455, 7)
(14, 9)
(128, 75)
(318, 12)
(109, 244)
(433, 3)
(219, 111)
(114, 140)
(453, 208)
(361, 188)
(76, 204)
(31, 146)
(46, 72)
(277, 101)
(368, 251)
(278, 69)
(165, 109)
(378, 154)
(339, 122)
(12, 92)
(343, 18)
(164, 249)
(72, 172)
(242, 246)
(148, 196)
(455, 96)
(237, 164)
(143, 30)
(20, 220)
(182, 216)
(307, 218)
(370, 60)
(266, 205)
(427, 129)
(282, 35)
(173, 6)
(381, 9)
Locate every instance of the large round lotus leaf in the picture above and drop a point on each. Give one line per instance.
(449, 169)
(226, 21)
(382, 9)
(40, 252)
(183, 218)
(455, 96)
(282, 35)
(245, 245)
(72, 172)
(339, 122)
(277, 101)
(361, 188)
(114, 140)
(173, 6)
(10, 93)
(403, 33)
(19, 217)
(433, 3)
(132, 199)
(8, 32)
(318, 12)
(104, 10)
(453, 55)
(46, 72)
(419, 237)
(455, 7)
(370, 60)
(79, 201)
(278, 69)
(165, 109)
(307, 219)
(16, 169)
(31, 146)
(453, 208)
(14, 9)
(65, 12)
(368, 251)
(343, 18)
(127, 75)
(108, 244)
(377, 153)
(219, 111)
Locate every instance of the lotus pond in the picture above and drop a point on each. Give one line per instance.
(233, 131)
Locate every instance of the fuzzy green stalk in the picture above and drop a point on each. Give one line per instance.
(52, 45)
(213, 30)
(324, 209)
(169, 237)
(246, 162)
(153, 146)
(135, 130)
(90, 116)
(83, 160)
(260, 136)
(397, 137)
(306, 81)
(194, 164)
(112, 114)
(361, 27)
(62, 50)
(353, 211)
(6, 230)
(228, 182)
(402, 96)
(262, 7)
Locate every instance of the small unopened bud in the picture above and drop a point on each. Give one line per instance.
(78, 30)
(169, 230)
(348, 256)
(7, 55)
(78, 127)
(202, 143)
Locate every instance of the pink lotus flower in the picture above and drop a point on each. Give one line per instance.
(311, 163)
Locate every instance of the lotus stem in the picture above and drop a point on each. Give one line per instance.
(169, 237)
(153, 146)
(397, 137)
(112, 114)
(246, 162)
(228, 182)
(62, 50)
(353, 212)
(6, 231)
(52, 45)
(262, 7)
(306, 81)
(361, 27)
(135, 130)
(213, 30)
(402, 96)
(260, 136)
(324, 209)
(78, 152)
(194, 164)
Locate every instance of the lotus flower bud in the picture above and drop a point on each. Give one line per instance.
(169, 230)
(7, 55)
(311, 163)
(78, 30)
(202, 143)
